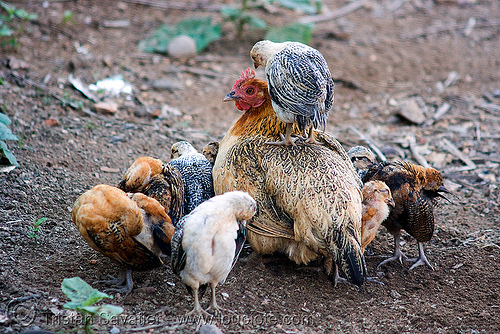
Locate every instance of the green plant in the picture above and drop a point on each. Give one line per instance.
(36, 227)
(68, 17)
(241, 17)
(200, 29)
(7, 160)
(296, 32)
(6, 30)
(83, 297)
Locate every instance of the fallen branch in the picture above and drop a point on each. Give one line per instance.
(370, 143)
(176, 5)
(412, 141)
(440, 112)
(335, 14)
(458, 26)
(448, 146)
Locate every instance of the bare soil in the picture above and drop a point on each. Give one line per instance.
(381, 56)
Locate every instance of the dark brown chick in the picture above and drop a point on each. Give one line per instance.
(158, 180)
(377, 201)
(130, 229)
(415, 190)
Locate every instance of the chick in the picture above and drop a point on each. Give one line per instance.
(361, 158)
(158, 180)
(210, 151)
(377, 201)
(131, 230)
(208, 241)
(300, 85)
(196, 173)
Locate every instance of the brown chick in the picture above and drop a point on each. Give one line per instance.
(377, 200)
(131, 230)
(158, 180)
(415, 190)
(210, 151)
(308, 195)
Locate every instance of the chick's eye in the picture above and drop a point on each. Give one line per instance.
(250, 91)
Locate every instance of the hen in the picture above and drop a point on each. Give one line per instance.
(415, 190)
(300, 85)
(196, 173)
(208, 241)
(308, 196)
(361, 158)
(377, 199)
(160, 181)
(130, 229)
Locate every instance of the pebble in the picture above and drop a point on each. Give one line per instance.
(182, 47)
(165, 84)
(411, 111)
(106, 107)
(210, 329)
(115, 330)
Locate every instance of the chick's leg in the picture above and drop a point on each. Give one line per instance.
(285, 140)
(422, 259)
(398, 255)
(213, 302)
(126, 280)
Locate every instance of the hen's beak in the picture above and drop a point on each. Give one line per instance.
(255, 65)
(390, 202)
(231, 97)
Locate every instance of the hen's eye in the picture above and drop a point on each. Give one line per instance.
(250, 91)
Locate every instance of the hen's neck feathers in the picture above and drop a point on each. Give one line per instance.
(260, 120)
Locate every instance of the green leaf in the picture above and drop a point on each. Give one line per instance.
(256, 22)
(5, 31)
(295, 32)
(305, 6)
(6, 154)
(109, 311)
(80, 292)
(5, 119)
(88, 309)
(200, 29)
(230, 13)
(6, 133)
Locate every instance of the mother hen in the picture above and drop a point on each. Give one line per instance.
(308, 196)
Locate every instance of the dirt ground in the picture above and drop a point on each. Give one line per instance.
(385, 57)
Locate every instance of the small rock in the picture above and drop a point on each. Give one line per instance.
(411, 111)
(16, 64)
(107, 107)
(146, 289)
(165, 84)
(393, 153)
(115, 330)
(182, 47)
(210, 329)
(395, 294)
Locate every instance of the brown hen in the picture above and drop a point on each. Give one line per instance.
(158, 180)
(130, 229)
(308, 196)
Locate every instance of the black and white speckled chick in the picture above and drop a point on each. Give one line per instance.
(300, 85)
(196, 173)
(362, 158)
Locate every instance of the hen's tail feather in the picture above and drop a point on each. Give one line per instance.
(161, 240)
(349, 257)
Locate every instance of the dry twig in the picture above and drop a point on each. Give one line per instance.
(176, 5)
(448, 146)
(335, 14)
(412, 141)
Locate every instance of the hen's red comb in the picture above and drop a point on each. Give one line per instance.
(247, 75)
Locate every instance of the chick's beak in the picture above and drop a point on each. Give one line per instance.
(255, 65)
(230, 97)
(390, 202)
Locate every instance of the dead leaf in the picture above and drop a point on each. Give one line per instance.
(51, 122)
